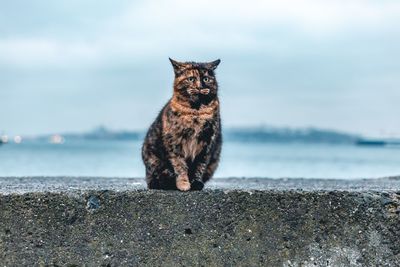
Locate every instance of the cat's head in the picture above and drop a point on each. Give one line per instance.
(195, 82)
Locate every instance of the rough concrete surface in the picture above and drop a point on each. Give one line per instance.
(64, 221)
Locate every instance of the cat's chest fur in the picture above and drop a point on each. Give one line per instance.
(190, 131)
(185, 131)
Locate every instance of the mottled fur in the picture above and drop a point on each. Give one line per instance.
(182, 146)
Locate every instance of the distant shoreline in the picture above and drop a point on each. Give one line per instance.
(262, 135)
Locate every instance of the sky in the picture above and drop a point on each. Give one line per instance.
(71, 65)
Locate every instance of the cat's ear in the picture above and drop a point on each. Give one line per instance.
(213, 65)
(178, 66)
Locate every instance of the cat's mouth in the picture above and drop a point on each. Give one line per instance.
(193, 91)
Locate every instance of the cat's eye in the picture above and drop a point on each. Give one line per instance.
(191, 79)
(206, 79)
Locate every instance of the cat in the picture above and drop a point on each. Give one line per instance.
(182, 147)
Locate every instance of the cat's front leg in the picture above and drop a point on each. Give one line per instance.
(201, 164)
(174, 152)
(197, 183)
(181, 170)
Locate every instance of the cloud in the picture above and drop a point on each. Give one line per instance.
(321, 62)
(154, 28)
(41, 51)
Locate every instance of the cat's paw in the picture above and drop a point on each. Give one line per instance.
(153, 184)
(183, 185)
(197, 185)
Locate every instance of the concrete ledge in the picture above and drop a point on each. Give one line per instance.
(265, 222)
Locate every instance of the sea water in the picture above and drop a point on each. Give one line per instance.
(238, 159)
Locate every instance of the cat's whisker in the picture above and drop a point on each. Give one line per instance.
(193, 91)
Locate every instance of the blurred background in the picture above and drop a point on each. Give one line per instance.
(308, 88)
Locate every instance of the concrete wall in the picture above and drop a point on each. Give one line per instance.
(110, 226)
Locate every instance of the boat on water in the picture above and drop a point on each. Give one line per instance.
(370, 142)
(377, 142)
(3, 139)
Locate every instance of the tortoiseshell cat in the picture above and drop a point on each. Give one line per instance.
(182, 147)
